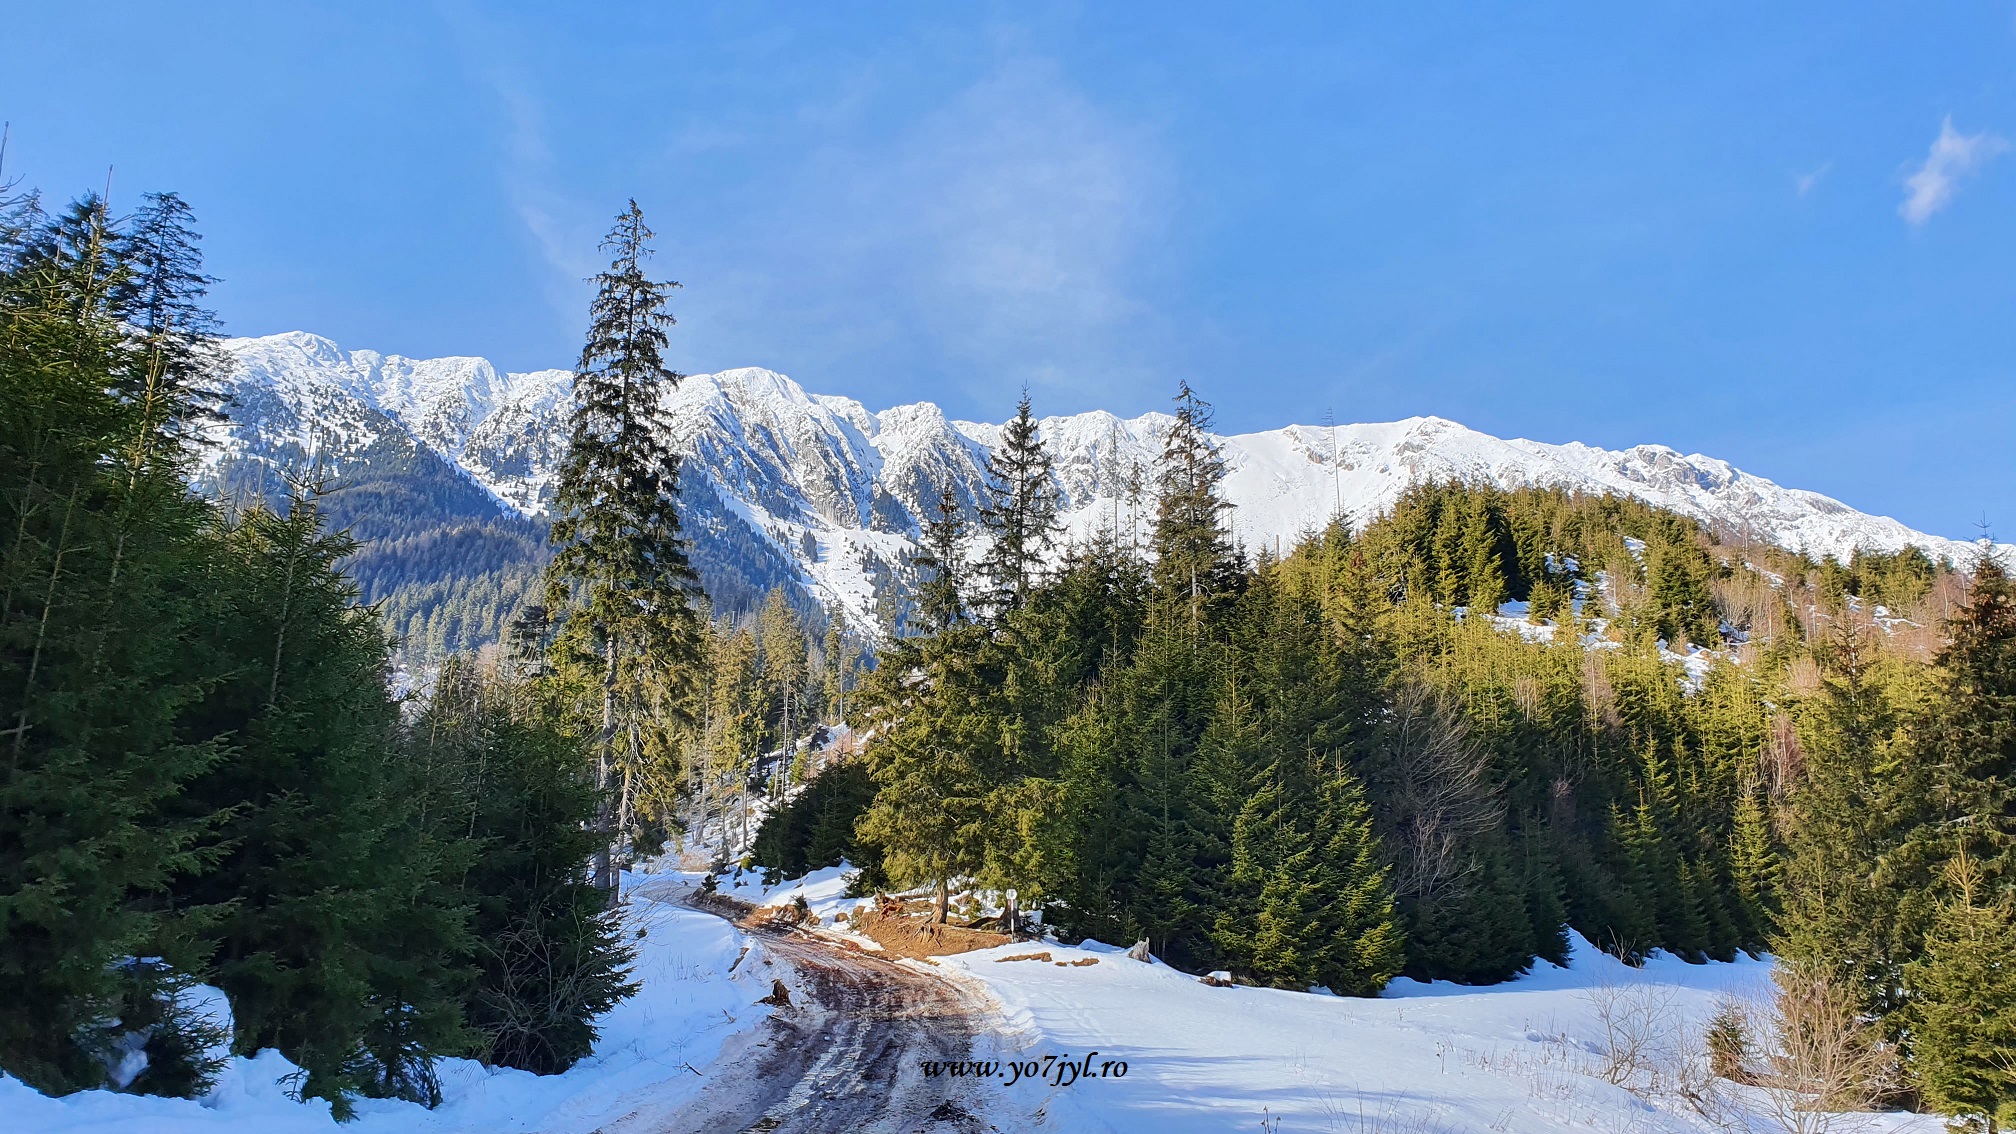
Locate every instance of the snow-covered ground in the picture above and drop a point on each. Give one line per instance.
(1525, 1057)
(824, 891)
(695, 995)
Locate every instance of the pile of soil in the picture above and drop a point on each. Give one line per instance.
(905, 929)
(720, 905)
(776, 918)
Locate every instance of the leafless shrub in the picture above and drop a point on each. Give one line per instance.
(1749, 602)
(1597, 693)
(1803, 676)
(536, 993)
(1561, 801)
(1783, 761)
(1622, 585)
(1825, 1065)
(1639, 1025)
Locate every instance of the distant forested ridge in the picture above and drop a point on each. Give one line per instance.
(449, 566)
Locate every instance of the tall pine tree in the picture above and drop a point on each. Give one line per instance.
(160, 296)
(942, 598)
(620, 576)
(97, 670)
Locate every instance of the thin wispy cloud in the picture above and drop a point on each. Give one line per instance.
(1807, 182)
(1003, 234)
(528, 183)
(1034, 209)
(528, 175)
(1953, 156)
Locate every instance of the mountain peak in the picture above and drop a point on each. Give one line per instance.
(815, 492)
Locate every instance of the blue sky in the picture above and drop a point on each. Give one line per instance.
(1780, 234)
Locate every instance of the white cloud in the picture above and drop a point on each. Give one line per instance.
(1953, 156)
(1807, 182)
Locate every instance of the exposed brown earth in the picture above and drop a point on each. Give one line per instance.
(905, 929)
(846, 1052)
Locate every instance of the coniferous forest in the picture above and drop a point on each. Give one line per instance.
(1430, 746)
(1434, 746)
(207, 778)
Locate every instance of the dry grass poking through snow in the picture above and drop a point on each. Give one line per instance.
(1798, 1061)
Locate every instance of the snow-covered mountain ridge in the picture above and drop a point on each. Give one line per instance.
(820, 488)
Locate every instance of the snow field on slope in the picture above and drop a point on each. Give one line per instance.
(1522, 1057)
(694, 996)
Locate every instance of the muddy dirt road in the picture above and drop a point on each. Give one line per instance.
(846, 1055)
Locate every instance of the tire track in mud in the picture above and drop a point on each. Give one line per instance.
(846, 1055)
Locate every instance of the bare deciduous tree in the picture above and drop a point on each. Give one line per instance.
(1438, 793)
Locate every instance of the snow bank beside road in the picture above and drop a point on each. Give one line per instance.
(1517, 1058)
(690, 1003)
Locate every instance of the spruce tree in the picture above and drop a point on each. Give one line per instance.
(1963, 1018)
(514, 787)
(729, 733)
(1963, 1009)
(941, 600)
(97, 613)
(1194, 557)
(1160, 710)
(1960, 990)
(841, 659)
(620, 576)
(333, 935)
(1360, 942)
(1676, 579)
(786, 677)
(1021, 511)
(1971, 737)
(160, 296)
(816, 828)
(1857, 888)
(1240, 798)
(935, 757)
